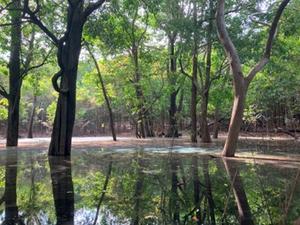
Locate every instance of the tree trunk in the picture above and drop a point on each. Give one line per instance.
(62, 188)
(68, 57)
(104, 91)
(149, 126)
(173, 127)
(194, 80)
(235, 121)
(139, 93)
(216, 124)
(15, 79)
(244, 211)
(31, 119)
(205, 135)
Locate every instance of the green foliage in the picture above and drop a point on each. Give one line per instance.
(3, 108)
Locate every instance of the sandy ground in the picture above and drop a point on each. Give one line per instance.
(132, 142)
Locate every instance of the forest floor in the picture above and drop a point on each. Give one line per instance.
(275, 147)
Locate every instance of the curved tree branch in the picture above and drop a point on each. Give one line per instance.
(34, 19)
(225, 39)
(91, 8)
(272, 33)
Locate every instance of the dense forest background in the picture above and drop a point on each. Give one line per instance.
(157, 62)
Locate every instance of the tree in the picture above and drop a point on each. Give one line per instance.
(194, 78)
(69, 47)
(19, 66)
(240, 82)
(104, 91)
(15, 76)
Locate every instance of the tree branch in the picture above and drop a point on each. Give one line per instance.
(91, 8)
(3, 92)
(34, 19)
(25, 72)
(225, 39)
(272, 33)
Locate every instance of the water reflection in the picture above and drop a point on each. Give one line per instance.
(245, 216)
(62, 188)
(10, 190)
(140, 188)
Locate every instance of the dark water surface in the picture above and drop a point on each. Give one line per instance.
(145, 187)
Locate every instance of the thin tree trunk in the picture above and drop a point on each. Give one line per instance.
(139, 92)
(216, 124)
(173, 127)
(31, 119)
(194, 79)
(15, 79)
(205, 135)
(104, 91)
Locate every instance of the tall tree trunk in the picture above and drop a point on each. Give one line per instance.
(104, 91)
(139, 92)
(173, 127)
(15, 79)
(194, 79)
(205, 135)
(244, 211)
(68, 57)
(62, 188)
(31, 119)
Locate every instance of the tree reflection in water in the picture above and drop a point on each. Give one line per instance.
(141, 188)
(62, 187)
(10, 193)
(245, 216)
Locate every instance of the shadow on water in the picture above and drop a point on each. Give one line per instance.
(138, 187)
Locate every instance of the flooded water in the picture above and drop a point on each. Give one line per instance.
(149, 186)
